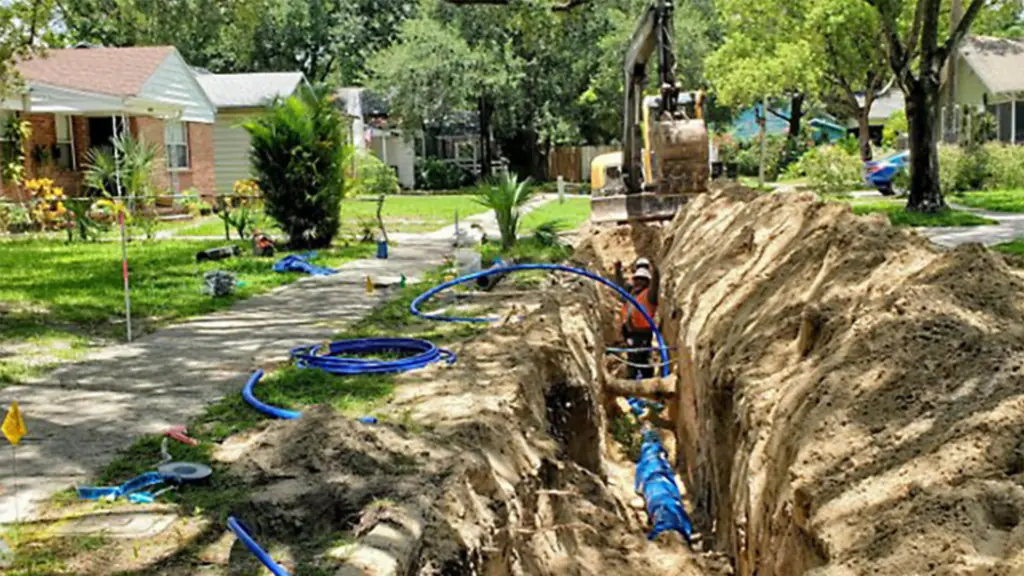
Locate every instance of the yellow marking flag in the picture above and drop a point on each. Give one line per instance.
(14, 425)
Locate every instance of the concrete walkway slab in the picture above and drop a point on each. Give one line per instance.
(81, 414)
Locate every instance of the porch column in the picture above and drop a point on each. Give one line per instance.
(384, 147)
(1013, 122)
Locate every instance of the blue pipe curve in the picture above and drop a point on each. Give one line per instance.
(423, 353)
(269, 410)
(414, 307)
(242, 533)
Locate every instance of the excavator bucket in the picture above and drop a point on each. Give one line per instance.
(645, 207)
(680, 170)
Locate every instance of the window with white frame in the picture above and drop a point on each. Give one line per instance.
(64, 149)
(176, 145)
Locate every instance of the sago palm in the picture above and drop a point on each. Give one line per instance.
(506, 196)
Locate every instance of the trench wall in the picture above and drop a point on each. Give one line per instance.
(850, 397)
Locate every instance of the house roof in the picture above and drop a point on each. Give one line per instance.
(884, 104)
(997, 61)
(111, 71)
(249, 90)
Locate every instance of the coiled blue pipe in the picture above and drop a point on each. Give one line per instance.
(656, 481)
(242, 533)
(415, 306)
(423, 353)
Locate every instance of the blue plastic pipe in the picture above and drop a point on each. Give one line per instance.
(242, 533)
(252, 400)
(656, 480)
(417, 354)
(415, 306)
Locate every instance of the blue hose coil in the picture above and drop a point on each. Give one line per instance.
(242, 533)
(414, 307)
(423, 353)
(656, 480)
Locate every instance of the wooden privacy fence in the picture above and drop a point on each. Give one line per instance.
(573, 162)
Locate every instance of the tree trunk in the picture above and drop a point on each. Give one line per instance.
(925, 193)
(796, 115)
(485, 111)
(864, 133)
(763, 121)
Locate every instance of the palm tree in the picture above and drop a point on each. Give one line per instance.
(506, 196)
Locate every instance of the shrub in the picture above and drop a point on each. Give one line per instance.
(832, 169)
(950, 158)
(748, 156)
(1005, 167)
(298, 152)
(436, 174)
(14, 217)
(506, 196)
(895, 126)
(372, 176)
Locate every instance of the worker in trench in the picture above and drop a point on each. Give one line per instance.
(636, 331)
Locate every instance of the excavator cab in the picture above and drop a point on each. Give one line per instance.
(665, 157)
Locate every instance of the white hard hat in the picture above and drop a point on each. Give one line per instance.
(642, 262)
(642, 273)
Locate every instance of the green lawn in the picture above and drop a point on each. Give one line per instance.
(898, 215)
(410, 213)
(56, 296)
(995, 200)
(1015, 247)
(572, 214)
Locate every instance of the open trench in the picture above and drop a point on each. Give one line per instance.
(845, 399)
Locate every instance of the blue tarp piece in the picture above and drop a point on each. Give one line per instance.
(300, 263)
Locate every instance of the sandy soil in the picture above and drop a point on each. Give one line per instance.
(852, 397)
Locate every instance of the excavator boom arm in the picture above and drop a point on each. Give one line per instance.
(653, 33)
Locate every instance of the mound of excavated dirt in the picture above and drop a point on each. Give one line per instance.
(852, 398)
(495, 465)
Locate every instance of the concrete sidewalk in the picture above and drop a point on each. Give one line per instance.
(81, 414)
(1010, 227)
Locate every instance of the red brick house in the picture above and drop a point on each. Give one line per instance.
(76, 98)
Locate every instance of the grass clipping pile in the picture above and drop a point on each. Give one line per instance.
(496, 465)
(853, 401)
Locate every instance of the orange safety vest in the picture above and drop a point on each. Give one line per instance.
(632, 317)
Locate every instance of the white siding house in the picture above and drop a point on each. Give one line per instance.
(238, 98)
(991, 75)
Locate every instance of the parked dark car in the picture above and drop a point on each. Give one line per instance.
(881, 173)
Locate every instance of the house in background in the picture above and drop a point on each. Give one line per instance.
(885, 104)
(457, 142)
(237, 98)
(77, 99)
(990, 75)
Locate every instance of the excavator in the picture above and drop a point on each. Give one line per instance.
(652, 182)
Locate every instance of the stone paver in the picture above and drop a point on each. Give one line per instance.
(79, 415)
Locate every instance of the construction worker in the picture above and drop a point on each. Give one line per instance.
(636, 331)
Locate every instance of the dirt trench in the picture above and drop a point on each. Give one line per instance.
(851, 397)
(499, 464)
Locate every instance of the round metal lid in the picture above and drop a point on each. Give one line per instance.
(185, 471)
